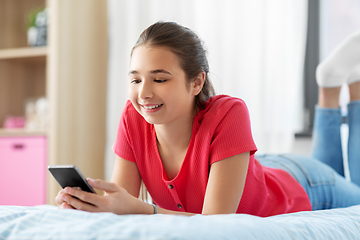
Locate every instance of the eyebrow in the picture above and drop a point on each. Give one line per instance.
(152, 72)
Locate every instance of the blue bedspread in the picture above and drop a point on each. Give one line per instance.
(46, 222)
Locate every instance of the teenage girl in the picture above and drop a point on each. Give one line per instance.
(194, 150)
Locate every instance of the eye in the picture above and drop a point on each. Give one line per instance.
(135, 81)
(160, 80)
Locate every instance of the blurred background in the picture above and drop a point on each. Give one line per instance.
(64, 67)
(264, 52)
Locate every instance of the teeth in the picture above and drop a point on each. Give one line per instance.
(152, 107)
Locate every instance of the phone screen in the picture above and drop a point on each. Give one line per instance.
(70, 176)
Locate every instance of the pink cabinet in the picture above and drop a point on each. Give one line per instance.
(23, 170)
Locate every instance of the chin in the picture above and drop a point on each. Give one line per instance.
(149, 120)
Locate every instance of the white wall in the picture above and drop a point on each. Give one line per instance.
(256, 52)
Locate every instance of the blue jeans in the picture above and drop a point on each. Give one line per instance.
(325, 187)
(327, 140)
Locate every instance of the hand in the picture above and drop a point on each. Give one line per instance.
(116, 199)
(59, 200)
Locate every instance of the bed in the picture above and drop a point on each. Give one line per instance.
(47, 222)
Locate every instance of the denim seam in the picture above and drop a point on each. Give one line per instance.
(329, 205)
(288, 169)
(313, 204)
(306, 174)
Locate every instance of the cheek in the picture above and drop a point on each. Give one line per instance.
(133, 97)
(132, 94)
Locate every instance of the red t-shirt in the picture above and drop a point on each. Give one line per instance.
(220, 130)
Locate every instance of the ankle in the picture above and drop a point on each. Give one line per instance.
(329, 97)
(354, 91)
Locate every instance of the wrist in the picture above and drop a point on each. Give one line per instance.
(155, 208)
(145, 208)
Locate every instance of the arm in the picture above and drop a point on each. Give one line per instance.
(226, 184)
(121, 195)
(225, 187)
(126, 175)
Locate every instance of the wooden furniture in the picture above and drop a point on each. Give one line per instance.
(71, 71)
(22, 170)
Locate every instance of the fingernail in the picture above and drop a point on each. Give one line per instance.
(65, 206)
(67, 190)
(91, 180)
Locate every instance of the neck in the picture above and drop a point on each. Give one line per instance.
(175, 135)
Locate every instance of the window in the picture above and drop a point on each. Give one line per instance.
(329, 22)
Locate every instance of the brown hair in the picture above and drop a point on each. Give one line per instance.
(187, 46)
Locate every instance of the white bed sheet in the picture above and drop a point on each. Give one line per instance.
(47, 222)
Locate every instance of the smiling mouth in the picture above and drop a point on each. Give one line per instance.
(151, 107)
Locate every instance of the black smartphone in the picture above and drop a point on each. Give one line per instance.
(70, 176)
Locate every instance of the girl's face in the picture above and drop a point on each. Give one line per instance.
(158, 86)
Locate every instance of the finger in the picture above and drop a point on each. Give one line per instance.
(91, 198)
(59, 199)
(77, 203)
(64, 205)
(103, 185)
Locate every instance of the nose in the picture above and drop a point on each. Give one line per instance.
(145, 91)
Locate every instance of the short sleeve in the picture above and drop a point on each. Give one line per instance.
(232, 135)
(122, 146)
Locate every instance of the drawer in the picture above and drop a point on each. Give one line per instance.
(23, 170)
(21, 143)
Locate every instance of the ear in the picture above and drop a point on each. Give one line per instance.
(198, 83)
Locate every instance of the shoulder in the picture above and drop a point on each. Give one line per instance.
(224, 101)
(222, 105)
(227, 122)
(224, 112)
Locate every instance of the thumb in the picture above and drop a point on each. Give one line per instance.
(103, 185)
